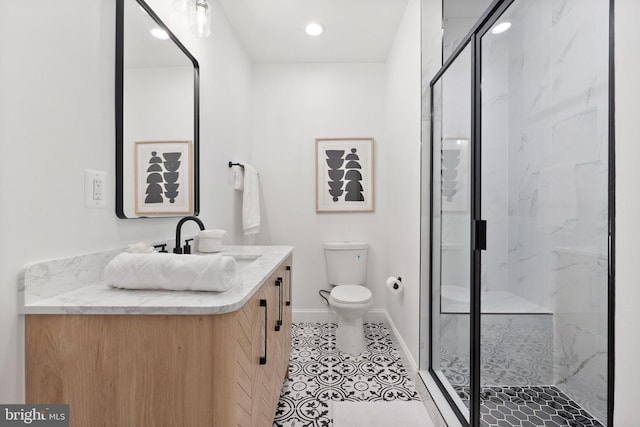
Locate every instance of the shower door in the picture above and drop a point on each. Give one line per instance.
(543, 143)
(450, 231)
(521, 206)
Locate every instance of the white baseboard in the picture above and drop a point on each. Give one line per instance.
(410, 359)
(327, 315)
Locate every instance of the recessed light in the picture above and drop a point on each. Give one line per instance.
(314, 29)
(501, 28)
(159, 33)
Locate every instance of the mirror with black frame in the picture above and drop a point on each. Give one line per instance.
(156, 117)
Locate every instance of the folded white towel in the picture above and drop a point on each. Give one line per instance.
(250, 201)
(171, 271)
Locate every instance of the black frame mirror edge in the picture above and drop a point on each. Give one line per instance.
(119, 110)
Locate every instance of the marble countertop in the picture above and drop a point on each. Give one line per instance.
(74, 286)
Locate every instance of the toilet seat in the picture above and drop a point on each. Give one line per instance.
(351, 294)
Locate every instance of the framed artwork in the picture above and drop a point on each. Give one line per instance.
(164, 177)
(455, 175)
(344, 175)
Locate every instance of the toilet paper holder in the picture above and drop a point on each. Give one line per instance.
(394, 283)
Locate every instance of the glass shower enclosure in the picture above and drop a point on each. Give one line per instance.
(521, 176)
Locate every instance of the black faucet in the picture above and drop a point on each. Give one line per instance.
(178, 249)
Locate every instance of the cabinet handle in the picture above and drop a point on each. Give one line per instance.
(288, 268)
(263, 359)
(279, 321)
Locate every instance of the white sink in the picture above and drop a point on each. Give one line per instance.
(243, 261)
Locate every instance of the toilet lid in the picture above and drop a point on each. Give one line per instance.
(351, 294)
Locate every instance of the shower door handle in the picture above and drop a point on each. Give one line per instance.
(480, 235)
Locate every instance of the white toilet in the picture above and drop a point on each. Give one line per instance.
(350, 299)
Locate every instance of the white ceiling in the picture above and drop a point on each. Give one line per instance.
(272, 31)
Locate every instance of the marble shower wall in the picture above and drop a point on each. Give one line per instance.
(545, 133)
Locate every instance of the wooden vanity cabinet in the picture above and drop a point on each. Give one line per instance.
(164, 370)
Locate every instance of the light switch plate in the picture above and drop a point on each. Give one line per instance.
(95, 183)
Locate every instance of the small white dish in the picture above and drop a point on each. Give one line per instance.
(210, 240)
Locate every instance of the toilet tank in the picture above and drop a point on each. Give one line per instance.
(346, 263)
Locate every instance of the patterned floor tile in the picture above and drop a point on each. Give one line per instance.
(320, 374)
(308, 411)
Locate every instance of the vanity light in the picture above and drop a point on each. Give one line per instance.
(314, 29)
(201, 20)
(159, 33)
(501, 28)
(185, 7)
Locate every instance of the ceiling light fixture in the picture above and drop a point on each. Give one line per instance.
(185, 7)
(199, 13)
(159, 33)
(501, 28)
(314, 29)
(201, 20)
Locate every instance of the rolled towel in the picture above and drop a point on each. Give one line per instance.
(140, 248)
(171, 272)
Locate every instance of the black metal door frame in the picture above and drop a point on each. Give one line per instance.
(477, 226)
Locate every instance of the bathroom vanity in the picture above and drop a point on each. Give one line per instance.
(159, 358)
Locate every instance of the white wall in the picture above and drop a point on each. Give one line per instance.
(57, 118)
(403, 157)
(627, 39)
(293, 105)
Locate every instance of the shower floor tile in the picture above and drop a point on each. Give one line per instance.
(537, 406)
(516, 350)
(319, 374)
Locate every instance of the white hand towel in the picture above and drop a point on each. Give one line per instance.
(238, 177)
(171, 271)
(250, 201)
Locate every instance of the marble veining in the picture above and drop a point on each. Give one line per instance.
(39, 281)
(74, 286)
